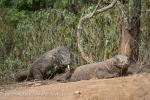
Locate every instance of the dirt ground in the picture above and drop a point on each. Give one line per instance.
(134, 87)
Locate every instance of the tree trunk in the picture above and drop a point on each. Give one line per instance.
(130, 32)
(35, 5)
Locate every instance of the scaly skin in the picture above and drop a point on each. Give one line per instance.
(106, 69)
(39, 68)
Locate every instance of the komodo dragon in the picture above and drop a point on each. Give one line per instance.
(105, 69)
(59, 56)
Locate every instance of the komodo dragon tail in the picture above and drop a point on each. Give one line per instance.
(22, 76)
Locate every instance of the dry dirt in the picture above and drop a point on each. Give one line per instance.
(135, 87)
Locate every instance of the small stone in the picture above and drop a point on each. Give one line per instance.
(77, 92)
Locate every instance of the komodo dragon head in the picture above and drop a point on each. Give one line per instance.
(122, 61)
(63, 57)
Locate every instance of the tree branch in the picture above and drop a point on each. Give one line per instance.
(126, 19)
(80, 27)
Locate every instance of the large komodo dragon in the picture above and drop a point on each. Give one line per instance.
(106, 69)
(38, 70)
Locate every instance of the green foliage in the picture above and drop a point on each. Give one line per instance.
(30, 35)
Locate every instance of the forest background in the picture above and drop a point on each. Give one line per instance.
(28, 28)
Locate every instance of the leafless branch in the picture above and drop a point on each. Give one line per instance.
(80, 27)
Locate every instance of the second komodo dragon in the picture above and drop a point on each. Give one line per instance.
(105, 69)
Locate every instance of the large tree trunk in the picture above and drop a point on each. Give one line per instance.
(35, 5)
(130, 32)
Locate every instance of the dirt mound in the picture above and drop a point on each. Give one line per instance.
(135, 87)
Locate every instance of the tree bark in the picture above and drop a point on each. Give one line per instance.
(35, 5)
(130, 32)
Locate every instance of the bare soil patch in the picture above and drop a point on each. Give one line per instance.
(134, 87)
